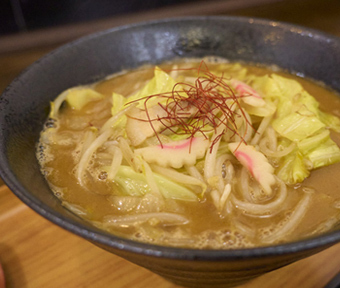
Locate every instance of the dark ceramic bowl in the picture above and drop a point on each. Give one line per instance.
(24, 107)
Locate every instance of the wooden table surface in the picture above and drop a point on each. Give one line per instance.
(37, 254)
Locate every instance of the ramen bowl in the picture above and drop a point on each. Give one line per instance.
(24, 107)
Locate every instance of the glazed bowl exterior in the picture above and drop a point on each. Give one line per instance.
(24, 107)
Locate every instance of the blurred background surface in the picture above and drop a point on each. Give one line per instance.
(26, 15)
(31, 28)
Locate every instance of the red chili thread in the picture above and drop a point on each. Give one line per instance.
(207, 98)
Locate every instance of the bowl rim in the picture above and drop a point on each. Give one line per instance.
(120, 243)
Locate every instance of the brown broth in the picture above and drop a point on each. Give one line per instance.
(207, 229)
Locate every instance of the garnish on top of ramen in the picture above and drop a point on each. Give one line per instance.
(201, 155)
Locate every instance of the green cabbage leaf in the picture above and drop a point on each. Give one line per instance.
(133, 183)
(299, 119)
(161, 83)
(77, 98)
(293, 168)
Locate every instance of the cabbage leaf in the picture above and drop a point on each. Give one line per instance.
(326, 153)
(161, 83)
(296, 126)
(134, 184)
(77, 98)
(299, 119)
(118, 102)
(293, 169)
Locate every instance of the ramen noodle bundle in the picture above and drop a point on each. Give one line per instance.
(197, 154)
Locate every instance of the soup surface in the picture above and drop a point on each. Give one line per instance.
(197, 154)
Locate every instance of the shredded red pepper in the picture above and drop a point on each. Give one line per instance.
(198, 108)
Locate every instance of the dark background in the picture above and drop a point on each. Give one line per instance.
(25, 15)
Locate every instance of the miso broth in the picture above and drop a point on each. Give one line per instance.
(205, 159)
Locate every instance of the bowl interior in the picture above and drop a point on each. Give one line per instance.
(24, 105)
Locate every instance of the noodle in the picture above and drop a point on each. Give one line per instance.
(263, 126)
(225, 196)
(85, 159)
(109, 123)
(57, 103)
(215, 195)
(128, 154)
(169, 218)
(116, 162)
(151, 180)
(192, 170)
(188, 154)
(294, 220)
(210, 159)
(179, 177)
(263, 209)
(89, 137)
(244, 183)
(218, 169)
(272, 138)
(277, 154)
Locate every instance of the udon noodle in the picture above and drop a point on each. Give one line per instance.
(199, 154)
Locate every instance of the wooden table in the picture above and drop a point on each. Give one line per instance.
(38, 254)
